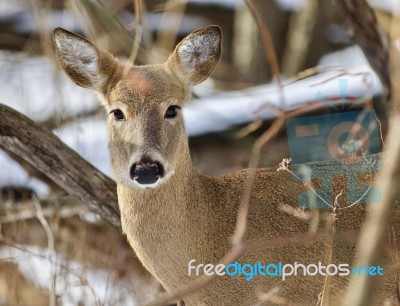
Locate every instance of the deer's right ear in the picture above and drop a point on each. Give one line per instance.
(86, 65)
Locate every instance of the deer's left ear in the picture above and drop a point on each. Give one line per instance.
(197, 55)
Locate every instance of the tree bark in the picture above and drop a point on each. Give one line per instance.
(47, 153)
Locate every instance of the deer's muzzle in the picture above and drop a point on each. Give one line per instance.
(146, 172)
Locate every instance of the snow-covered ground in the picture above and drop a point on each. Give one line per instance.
(75, 284)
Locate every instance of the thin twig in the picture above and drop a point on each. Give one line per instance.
(168, 30)
(273, 297)
(138, 5)
(137, 25)
(302, 24)
(254, 161)
(326, 291)
(267, 41)
(50, 246)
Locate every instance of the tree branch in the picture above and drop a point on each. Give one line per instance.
(61, 206)
(375, 231)
(47, 153)
(366, 33)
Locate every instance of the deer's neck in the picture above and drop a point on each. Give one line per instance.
(162, 221)
(152, 210)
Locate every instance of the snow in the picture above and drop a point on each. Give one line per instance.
(188, 23)
(34, 87)
(295, 5)
(291, 5)
(12, 174)
(24, 21)
(351, 58)
(385, 5)
(226, 109)
(221, 3)
(37, 265)
(89, 138)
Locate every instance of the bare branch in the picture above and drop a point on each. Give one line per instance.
(374, 236)
(61, 206)
(367, 34)
(267, 41)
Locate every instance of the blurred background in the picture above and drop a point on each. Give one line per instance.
(89, 262)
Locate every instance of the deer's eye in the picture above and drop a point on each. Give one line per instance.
(118, 114)
(172, 111)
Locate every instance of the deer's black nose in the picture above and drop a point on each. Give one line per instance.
(146, 172)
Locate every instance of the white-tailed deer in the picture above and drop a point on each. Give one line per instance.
(171, 214)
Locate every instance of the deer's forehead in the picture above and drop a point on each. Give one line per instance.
(138, 85)
(149, 86)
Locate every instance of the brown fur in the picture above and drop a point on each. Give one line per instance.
(190, 216)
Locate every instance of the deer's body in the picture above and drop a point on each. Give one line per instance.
(203, 221)
(170, 213)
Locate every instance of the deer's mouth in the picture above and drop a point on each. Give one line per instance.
(146, 172)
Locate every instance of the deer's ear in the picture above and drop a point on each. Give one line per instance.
(197, 55)
(86, 65)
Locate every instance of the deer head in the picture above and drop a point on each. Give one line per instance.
(146, 133)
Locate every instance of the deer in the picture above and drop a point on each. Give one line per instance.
(173, 216)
